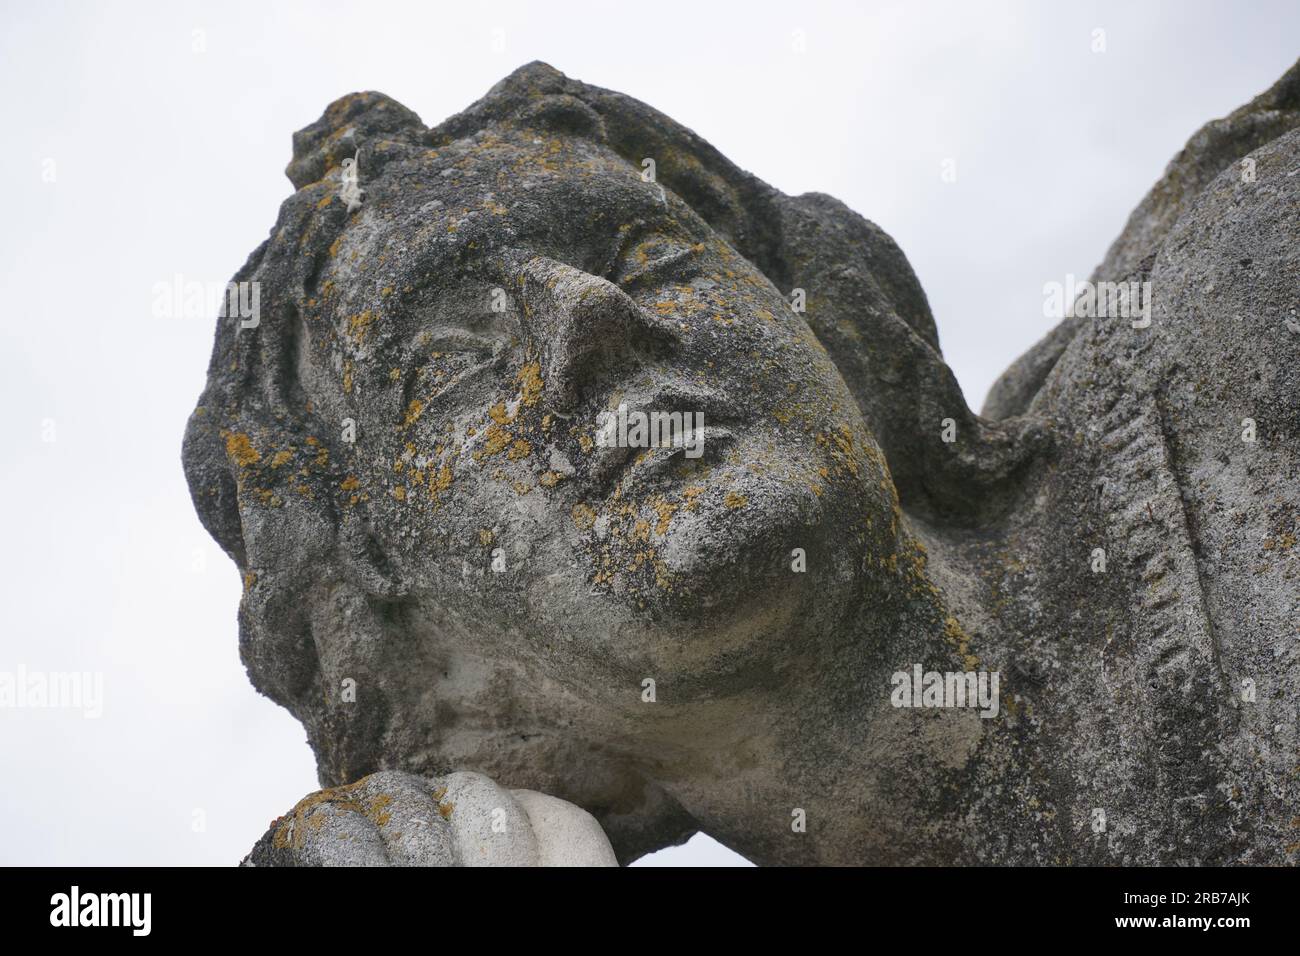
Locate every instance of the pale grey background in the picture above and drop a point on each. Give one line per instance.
(168, 160)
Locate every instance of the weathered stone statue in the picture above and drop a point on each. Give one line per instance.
(453, 572)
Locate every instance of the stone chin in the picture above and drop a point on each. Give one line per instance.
(727, 594)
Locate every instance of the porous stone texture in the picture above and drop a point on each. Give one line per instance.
(392, 818)
(1217, 146)
(444, 571)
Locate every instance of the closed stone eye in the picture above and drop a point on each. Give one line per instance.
(648, 257)
(658, 261)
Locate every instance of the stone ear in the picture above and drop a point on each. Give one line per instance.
(274, 492)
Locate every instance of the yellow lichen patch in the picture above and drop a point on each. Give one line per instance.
(496, 439)
(413, 413)
(394, 374)
(400, 492)
(499, 414)
(281, 458)
(359, 325)
(268, 497)
(665, 510)
(445, 809)
(844, 443)
(485, 536)
(1284, 542)
(250, 578)
(441, 482)
(350, 483)
(347, 376)
(735, 501)
(334, 246)
(690, 493)
(378, 811)
(519, 450)
(530, 383)
(550, 479)
(322, 458)
(960, 640)
(240, 450)
(290, 832)
(583, 516)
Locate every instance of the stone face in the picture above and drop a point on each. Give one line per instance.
(444, 572)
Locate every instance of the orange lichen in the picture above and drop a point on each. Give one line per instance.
(441, 482)
(413, 413)
(530, 383)
(583, 516)
(240, 450)
(496, 439)
(665, 510)
(359, 325)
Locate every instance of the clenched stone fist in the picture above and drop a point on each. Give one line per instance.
(393, 818)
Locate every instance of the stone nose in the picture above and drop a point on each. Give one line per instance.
(589, 333)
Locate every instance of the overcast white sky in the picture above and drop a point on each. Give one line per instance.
(143, 141)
